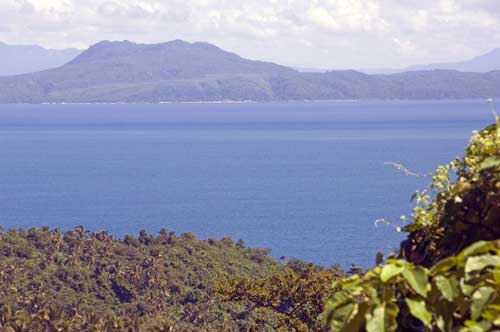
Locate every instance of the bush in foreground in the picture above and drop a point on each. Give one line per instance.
(448, 275)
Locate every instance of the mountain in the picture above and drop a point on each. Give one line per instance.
(172, 60)
(480, 64)
(21, 59)
(483, 63)
(310, 70)
(178, 71)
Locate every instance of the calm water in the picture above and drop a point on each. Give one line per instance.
(305, 179)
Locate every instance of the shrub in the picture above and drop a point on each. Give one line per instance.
(448, 274)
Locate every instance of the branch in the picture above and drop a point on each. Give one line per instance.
(405, 170)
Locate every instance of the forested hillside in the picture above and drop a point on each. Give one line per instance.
(81, 281)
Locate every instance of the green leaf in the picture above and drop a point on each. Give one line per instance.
(357, 318)
(492, 314)
(477, 263)
(466, 288)
(482, 326)
(418, 280)
(339, 316)
(490, 162)
(448, 287)
(389, 271)
(444, 265)
(441, 323)
(418, 310)
(496, 276)
(479, 247)
(383, 318)
(479, 299)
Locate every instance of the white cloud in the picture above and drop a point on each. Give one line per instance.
(322, 18)
(319, 33)
(347, 15)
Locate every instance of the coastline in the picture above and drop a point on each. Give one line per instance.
(486, 100)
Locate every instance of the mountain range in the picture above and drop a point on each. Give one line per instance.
(178, 71)
(484, 63)
(22, 59)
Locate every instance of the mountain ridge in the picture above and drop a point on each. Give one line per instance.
(483, 63)
(23, 59)
(178, 71)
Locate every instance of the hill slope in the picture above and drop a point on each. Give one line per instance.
(180, 71)
(21, 59)
(92, 279)
(483, 63)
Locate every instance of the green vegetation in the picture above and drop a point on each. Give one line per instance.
(448, 274)
(76, 281)
(290, 299)
(460, 293)
(446, 278)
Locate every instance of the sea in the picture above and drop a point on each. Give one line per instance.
(309, 180)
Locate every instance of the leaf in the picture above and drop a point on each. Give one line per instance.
(418, 280)
(389, 271)
(490, 162)
(480, 247)
(492, 314)
(357, 321)
(339, 316)
(466, 288)
(383, 318)
(418, 310)
(444, 265)
(440, 323)
(479, 300)
(473, 326)
(448, 287)
(496, 276)
(477, 263)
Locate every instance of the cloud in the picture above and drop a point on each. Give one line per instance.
(25, 6)
(322, 18)
(348, 16)
(313, 33)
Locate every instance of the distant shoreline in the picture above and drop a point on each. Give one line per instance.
(486, 100)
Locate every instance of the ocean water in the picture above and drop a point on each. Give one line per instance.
(307, 180)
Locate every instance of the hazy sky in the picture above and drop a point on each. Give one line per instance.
(309, 33)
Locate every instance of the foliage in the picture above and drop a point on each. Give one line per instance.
(290, 299)
(80, 281)
(459, 293)
(448, 275)
(462, 212)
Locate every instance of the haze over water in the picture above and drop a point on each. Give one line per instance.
(307, 180)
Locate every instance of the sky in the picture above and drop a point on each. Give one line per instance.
(329, 34)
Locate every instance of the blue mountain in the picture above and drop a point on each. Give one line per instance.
(21, 59)
(179, 71)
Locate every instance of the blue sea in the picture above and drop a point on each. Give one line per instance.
(308, 180)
